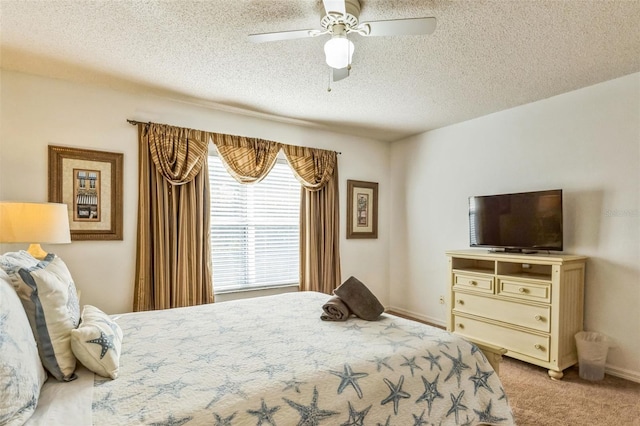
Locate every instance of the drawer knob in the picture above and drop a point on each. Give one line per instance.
(538, 318)
(539, 347)
(473, 283)
(460, 325)
(523, 290)
(460, 302)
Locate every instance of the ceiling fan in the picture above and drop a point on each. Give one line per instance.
(342, 19)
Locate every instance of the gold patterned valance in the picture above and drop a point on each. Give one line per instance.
(312, 167)
(177, 152)
(248, 160)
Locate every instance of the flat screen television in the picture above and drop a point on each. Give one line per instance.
(519, 222)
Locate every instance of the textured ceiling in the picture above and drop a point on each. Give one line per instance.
(484, 56)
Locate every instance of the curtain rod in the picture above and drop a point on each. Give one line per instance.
(136, 122)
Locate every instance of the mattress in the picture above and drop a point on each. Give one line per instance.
(272, 361)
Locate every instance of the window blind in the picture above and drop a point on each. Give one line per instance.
(254, 229)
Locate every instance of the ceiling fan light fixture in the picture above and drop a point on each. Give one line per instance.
(342, 18)
(338, 51)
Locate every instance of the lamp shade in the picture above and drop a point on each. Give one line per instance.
(338, 51)
(34, 223)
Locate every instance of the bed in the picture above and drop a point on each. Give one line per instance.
(263, 361)
(272, 361)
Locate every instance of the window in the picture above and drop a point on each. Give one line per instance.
(254, 229)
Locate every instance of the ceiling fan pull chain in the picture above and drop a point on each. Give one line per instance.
(330, 73)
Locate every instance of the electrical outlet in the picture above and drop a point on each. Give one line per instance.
(441, 300)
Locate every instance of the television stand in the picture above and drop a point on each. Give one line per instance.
(531, 305)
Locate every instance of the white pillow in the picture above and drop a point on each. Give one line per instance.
(11, 263)
(21, 372)
(97, 342)
(49, 297)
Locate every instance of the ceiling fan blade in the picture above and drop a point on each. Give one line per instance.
(410, 26)
(336, 6)
(281, 35)
(340, 74)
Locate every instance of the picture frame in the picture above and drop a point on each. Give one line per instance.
(362, 209)
(89, 182)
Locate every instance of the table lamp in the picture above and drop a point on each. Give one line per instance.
(34, 223)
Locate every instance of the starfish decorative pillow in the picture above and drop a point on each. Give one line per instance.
(97, 341)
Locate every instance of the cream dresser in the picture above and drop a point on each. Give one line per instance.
(529, 304)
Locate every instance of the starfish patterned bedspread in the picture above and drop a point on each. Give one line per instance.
(272, 361)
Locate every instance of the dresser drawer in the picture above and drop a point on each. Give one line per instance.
(476, 282)
(524, 290)
(534, 317)
(513, 340)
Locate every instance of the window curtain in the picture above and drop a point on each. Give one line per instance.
(248, 160)
(173, 261)
(317, 171)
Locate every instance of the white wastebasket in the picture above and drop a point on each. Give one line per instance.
(592, 354)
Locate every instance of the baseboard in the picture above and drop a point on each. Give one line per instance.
(632, 376)
(420, 317)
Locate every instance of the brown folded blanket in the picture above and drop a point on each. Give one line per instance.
(335, 310)
(359, 299)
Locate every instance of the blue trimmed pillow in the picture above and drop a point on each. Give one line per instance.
(49, 297)
(97, 342)
(21, 372)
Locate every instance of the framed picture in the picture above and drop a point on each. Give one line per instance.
(90, 184)
(362, 209)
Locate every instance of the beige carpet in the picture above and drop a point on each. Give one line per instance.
(539, 401)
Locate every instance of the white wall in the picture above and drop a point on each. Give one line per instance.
(37, 112)
(586, 142)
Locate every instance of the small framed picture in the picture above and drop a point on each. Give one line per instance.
(362, 209)
(90, 184)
